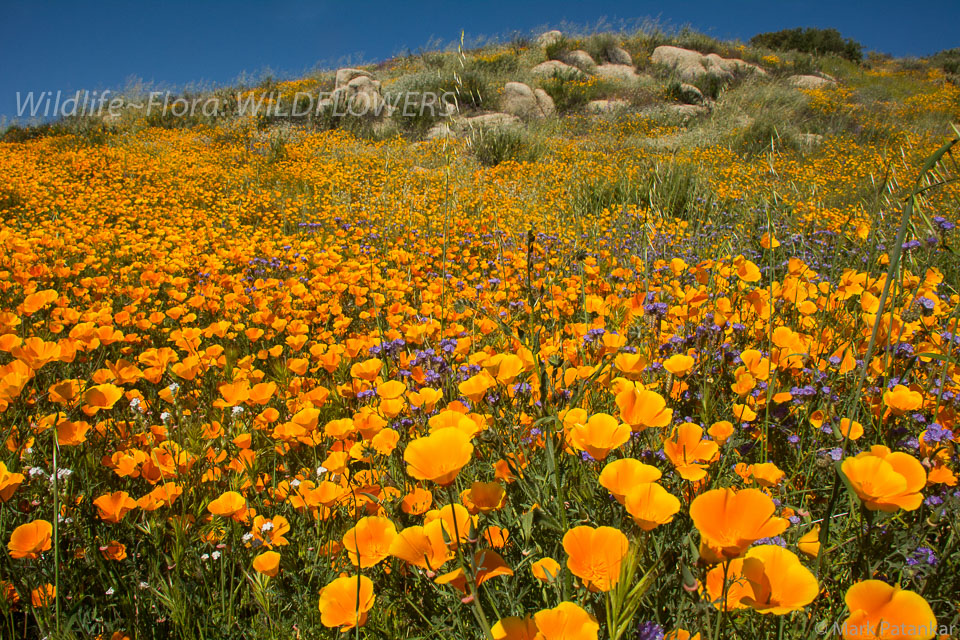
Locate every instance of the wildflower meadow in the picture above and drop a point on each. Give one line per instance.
(621, 374)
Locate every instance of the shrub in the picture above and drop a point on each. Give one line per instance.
(948, 60)
(492, 146)
(571, 91)
(763, 135)
(810, 40)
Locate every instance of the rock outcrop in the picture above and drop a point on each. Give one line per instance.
(809, 82)
(550, 67)
(691, 65)
(548, 38)
(526, 103)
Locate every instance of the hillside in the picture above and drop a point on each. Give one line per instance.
(562, 338)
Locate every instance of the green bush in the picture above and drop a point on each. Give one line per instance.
(948, 60)
(764, 135)
(492, 146)
(571, 91)
(810, 40)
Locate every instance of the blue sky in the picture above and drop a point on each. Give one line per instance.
(67, 46)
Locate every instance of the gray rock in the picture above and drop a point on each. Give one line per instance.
(521, 101)
(619, 55)
(344, 76)
(440, 130)
(619, 73)
(492, 121)
(580, 59)
(548, 38)
(810, 140)
(606, 106)
(686, 112)
(550, 67)
(809, 82)
(691, 65)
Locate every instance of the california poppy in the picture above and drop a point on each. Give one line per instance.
(438, 456)
(642, 409)
(650, 505)
(886, 481)
(112, 507)
(345, 602)
(620, 476)
(881, 611)
(594, 555)
(368, 542)
(566, 621)
(30, 540)
(599, 435)
(730, 521)
(229, 505)
(267, 563)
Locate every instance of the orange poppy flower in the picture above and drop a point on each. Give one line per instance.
(476, 387)
(620, 476)
(901, 399)
(721, 431)
(102, 396)
(114, 551)
(730, 521)
(369, 540)
(599, 435)
(851, 429)
(30, 540)
(112, 507)
(9, 482)
(650, 505)
(417, 502)
(886, 481)
(515, 628)
(679, 365)
(43, 596)
(267, 563)
(809, 543)
(545, 569)
(686, 448)
(566, 621)
(643, 409)
(487, 496)
(230, 504)
(769, 579)
(438, 456)
(345, 602)
(423, 547)
(488, 564)
(594, 555)
(880, 611)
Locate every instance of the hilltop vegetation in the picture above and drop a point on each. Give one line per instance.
(647, 335)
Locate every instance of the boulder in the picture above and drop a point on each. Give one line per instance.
(548, 38)
(525, 103)
(619, 55)
(809, 82)
(618, 73)
(691, 65)
(606, 106)
(439, 130)
(550, 67)
(492, 121)
(686, 112)
(580, 59)
(344, 76)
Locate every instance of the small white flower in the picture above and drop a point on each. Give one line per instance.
(135, 403)
(164, 416)
(64, 473)
(247, 536)
(321, 470)
(294, 483)
(205, 557)
(215, 555)
(266, 526)
(37, 471)
(237, 411)
(173, 388)
(144, 585)
(109, 591)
